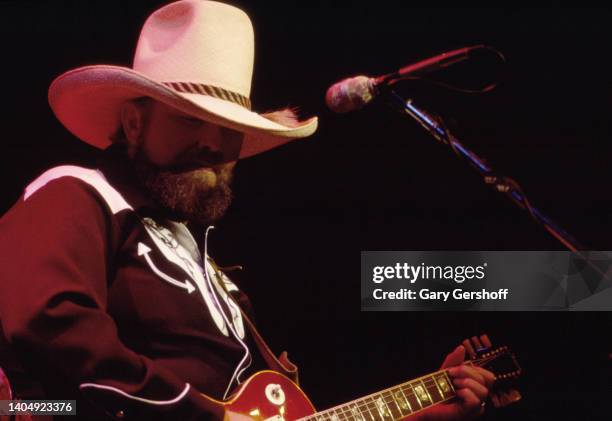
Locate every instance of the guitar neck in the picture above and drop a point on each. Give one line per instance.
(394, 403)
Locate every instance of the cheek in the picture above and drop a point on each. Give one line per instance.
(163, 149)
(231, 144)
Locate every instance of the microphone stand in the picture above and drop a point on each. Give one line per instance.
(505, 185)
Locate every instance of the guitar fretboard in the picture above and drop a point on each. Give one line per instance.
(394, 403)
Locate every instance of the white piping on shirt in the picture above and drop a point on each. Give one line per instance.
(238, 371)
(136, 398)
(94, 178)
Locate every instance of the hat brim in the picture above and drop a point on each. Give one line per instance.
(88, 100)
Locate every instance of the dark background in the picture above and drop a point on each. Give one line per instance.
(373, 180)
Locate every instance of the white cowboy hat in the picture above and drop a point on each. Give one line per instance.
(194, 55)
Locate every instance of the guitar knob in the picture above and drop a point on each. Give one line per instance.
(275, 394)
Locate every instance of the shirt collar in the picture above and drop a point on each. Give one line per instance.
(119, 171)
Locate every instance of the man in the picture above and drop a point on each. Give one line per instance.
(107, 294)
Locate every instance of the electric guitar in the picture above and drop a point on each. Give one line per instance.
(270, 396)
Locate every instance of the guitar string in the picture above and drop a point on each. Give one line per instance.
(347, 414)
(356, 403)
(362, 402)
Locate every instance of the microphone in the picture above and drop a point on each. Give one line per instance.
(354, 93)
(351, 94)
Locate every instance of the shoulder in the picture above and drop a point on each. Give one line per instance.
(69, 182)
(67, 205)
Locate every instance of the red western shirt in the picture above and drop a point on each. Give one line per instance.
(105, 297)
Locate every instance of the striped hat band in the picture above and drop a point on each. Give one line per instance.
(214, 91)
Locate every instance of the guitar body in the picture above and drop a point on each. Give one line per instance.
(268, 395)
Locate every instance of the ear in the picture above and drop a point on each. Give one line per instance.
(132, 121)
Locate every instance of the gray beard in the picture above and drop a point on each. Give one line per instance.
(186, 194)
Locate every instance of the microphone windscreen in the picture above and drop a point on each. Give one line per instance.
(350, 94)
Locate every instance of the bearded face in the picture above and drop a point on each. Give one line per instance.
(184, 163)
(200, 195)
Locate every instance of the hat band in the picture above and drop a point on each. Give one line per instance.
(214, 91)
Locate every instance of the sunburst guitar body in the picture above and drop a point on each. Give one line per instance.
(270, 396)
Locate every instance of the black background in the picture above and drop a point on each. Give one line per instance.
(373, 180)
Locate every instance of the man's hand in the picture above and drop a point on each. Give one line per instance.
(471, 385)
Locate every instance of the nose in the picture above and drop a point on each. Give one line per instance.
(209, 138)
(220, 144)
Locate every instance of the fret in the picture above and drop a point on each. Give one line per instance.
(336, 415)
(340, 411)
(396, 413)
(329, 415)
(431, 401)
(432, 389)
(450, 382)
(382, 408)
(394, 403)
(404, 403)
(389, 413)
(339, 414)
(435, 380)
(357, 412)
(370, 410)
(365, 410)
(347, 413)
(445, 385)
(421, 394)
(412, 397)
(373, 409)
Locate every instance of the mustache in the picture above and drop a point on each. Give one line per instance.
(205, 158)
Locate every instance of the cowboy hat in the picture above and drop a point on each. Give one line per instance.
(194, 55)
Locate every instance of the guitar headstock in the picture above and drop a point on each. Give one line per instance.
(502, 362)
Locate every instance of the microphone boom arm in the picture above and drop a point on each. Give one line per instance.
(431, 64)
(502, 184)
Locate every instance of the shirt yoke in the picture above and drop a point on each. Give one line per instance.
(94, 178)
